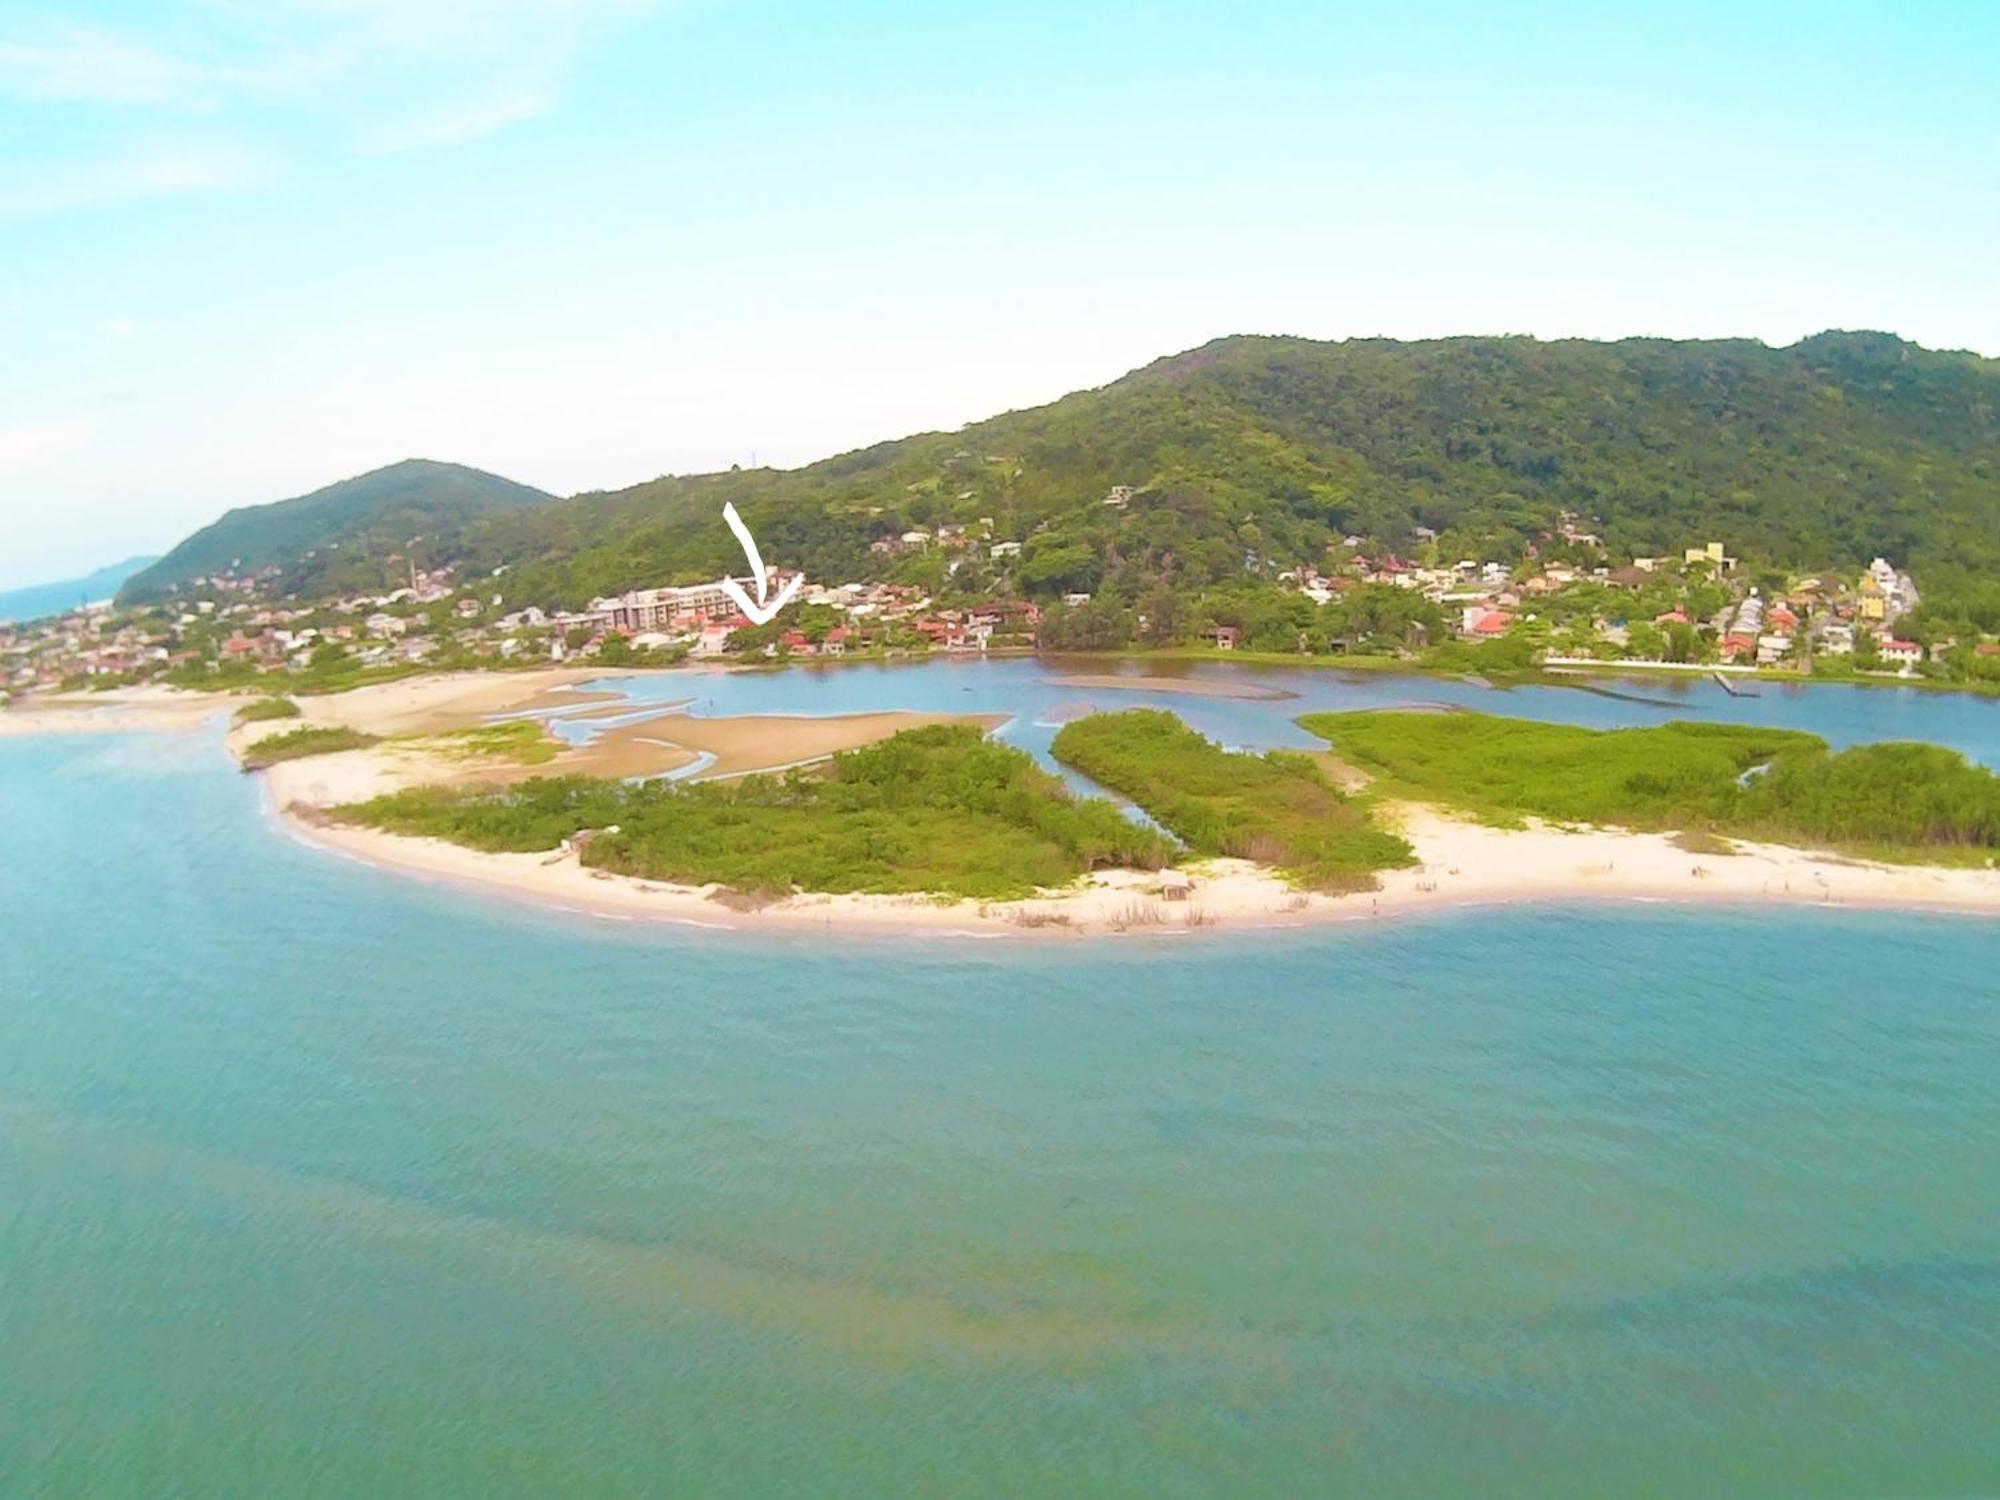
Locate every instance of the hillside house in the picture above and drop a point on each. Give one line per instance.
(1902, 653)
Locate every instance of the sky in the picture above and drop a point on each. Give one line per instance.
(248, 247)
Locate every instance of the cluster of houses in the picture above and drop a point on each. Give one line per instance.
(229, 626)
(225, 621)
(1816, 616)
(704, 620)
(1822, 615)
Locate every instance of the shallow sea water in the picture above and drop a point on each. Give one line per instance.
(315, 1181)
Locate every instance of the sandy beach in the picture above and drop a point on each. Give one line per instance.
(438, 702)
(409, 705)
(129, 710)
(1461, 865)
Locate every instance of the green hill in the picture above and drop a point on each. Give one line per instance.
(1261, 450)
(354, 534)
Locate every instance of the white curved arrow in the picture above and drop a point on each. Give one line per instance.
(760, 612)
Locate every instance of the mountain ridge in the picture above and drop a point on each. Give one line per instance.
(1253, 452)
(1264, 447)
(376, 515)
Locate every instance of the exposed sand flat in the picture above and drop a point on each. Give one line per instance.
(1192, 687)
(410, 705)
(634, 750)
(753, 742)
(611, 706)
(452, 700)
(571, 703)
(669, 742)
(122, 711)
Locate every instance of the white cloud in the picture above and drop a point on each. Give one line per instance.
(93, 66)
(452, 25)
(149, 171)
(455, 124)
(362, 75)
(31, 445)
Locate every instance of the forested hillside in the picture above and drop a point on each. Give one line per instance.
(344, 536)
(1255, 452)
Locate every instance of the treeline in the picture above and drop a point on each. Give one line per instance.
(1368, 617)
(1896, 795)
(939, 809)
(1917, 802)
(1959, 606)
(1278, 809)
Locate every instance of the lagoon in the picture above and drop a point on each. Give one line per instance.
(1031, 690)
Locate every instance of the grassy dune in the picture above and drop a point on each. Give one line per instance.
(264, 709)
(296, 744)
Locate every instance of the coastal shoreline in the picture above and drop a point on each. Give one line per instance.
(1463, 866)
(1460, 865)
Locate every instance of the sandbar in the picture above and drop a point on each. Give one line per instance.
(1192, 687)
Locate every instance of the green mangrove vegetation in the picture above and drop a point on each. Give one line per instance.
(940, 810)
(267, 708)
(296, 744)
(1919, 803)
(1278, 808)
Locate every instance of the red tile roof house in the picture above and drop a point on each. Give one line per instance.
(1736, 644)
(1671, 617)
(1781, 620)
(1906, 653)
(949, 633)
(715, 633)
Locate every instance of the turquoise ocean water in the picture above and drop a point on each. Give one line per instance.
(316, 1181)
